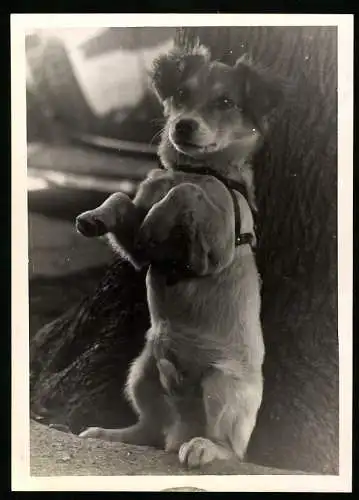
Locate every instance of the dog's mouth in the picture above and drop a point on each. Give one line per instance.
(188, 144)
(188, 147)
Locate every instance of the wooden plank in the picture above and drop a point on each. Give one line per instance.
(87, 161)
(75, 181)
(116, 144)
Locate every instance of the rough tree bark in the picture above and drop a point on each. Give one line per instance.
(79, 362)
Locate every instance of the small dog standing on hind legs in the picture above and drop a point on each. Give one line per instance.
(197, 385)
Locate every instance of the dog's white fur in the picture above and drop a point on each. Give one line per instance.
(210, 323)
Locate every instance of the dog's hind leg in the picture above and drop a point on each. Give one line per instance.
(146, 395)
(185, 400)
(231, 406)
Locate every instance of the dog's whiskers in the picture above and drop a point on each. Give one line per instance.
(158, 120)
(157, 134)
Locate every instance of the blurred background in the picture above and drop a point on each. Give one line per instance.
(92, 128)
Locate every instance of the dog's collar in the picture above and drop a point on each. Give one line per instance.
(232, 185)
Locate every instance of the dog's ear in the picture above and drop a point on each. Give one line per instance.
(260, 92)
(171, 69)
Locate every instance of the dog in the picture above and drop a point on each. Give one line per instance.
(197, 385)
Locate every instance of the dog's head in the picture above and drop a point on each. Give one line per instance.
(210, 105)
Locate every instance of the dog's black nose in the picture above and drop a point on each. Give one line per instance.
(185, 128)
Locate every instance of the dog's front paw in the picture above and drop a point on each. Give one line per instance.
(90, 225)
(93, 432)
(200, 451)
(116, 209)
(157, 225)
(155, 234)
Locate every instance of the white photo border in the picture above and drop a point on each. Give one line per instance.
(21, 479)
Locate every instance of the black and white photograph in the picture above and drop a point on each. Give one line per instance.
(182, 252)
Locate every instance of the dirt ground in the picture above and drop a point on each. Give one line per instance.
(55, 453)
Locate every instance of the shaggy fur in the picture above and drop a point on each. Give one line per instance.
(208, 323)
(79, 362)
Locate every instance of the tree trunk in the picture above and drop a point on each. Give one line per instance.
(85, 354)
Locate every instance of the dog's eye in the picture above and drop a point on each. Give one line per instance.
(180, 95)
(224, 103)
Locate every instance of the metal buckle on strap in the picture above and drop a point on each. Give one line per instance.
(244, 239)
